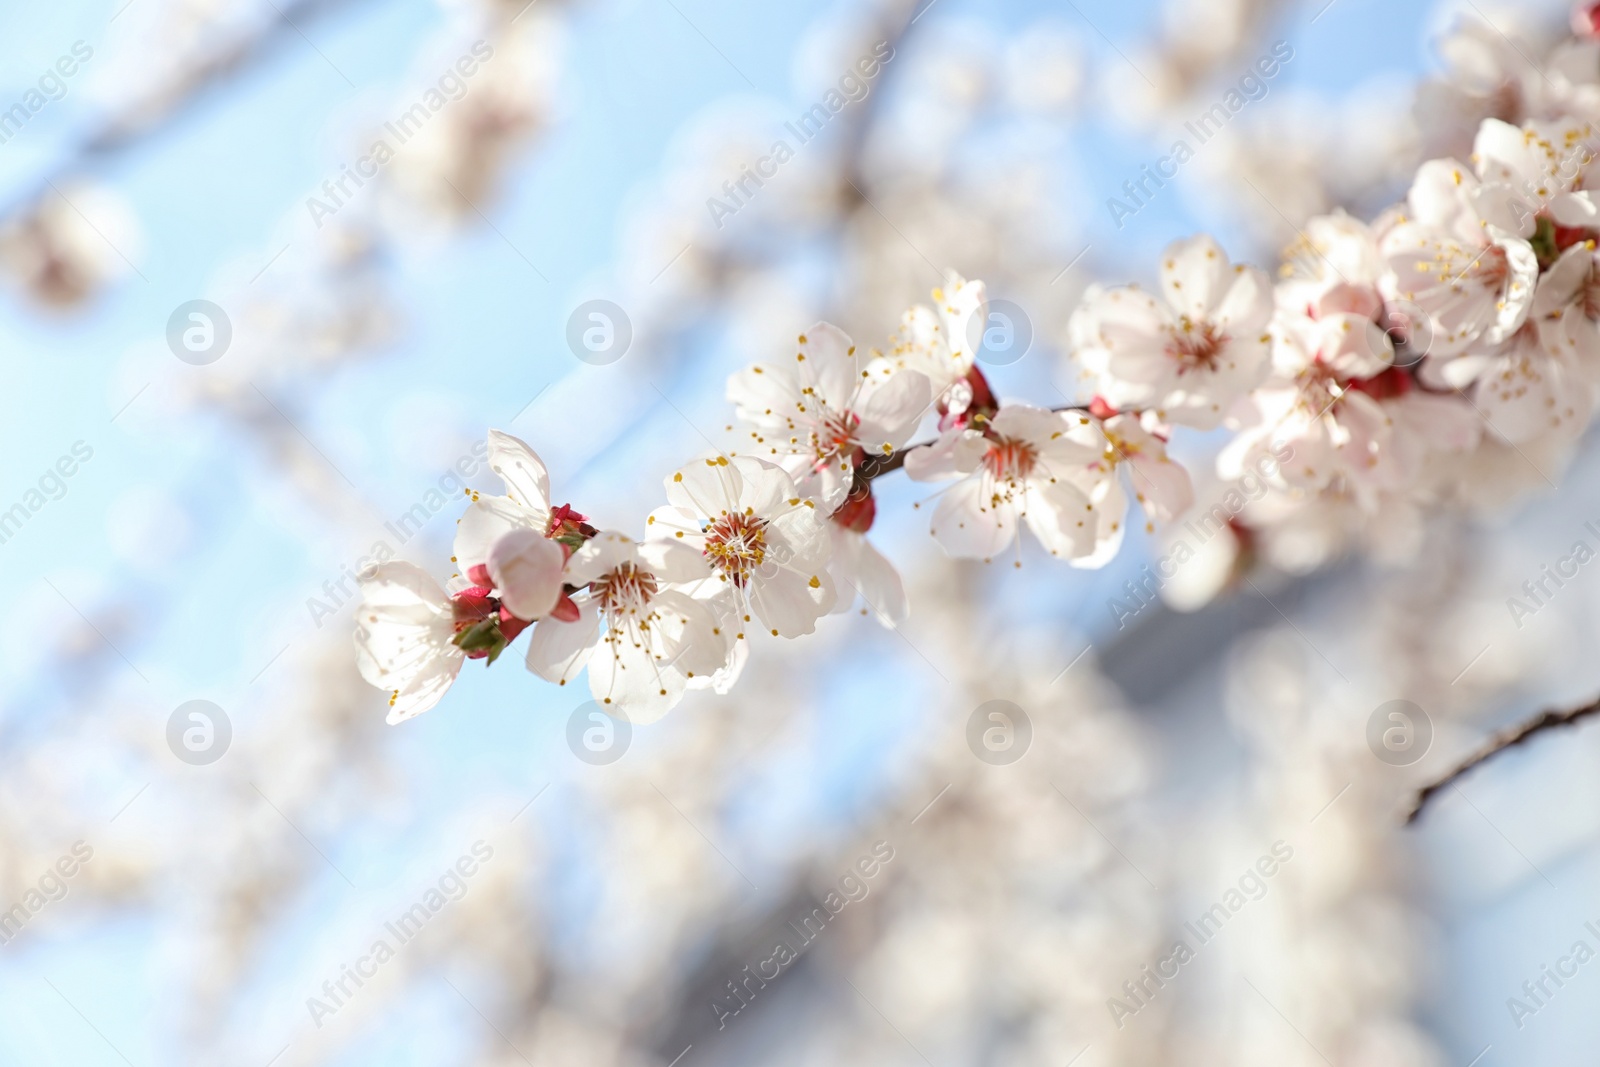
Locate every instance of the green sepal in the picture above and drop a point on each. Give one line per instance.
(482, 636)
(573, 539)
(1544, 242)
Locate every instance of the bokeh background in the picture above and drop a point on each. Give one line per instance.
(197, 554)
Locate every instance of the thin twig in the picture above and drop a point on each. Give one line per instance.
(877, 466)
(1546, 720)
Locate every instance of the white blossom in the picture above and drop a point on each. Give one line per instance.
(816, 413)
(525, 505)
(1537, 169)
(936, 341)
(655, 638)
(1023, 466)
(1189, 354)
(404, 633)
(1474, 280)
(1132, 456)
(766, 545)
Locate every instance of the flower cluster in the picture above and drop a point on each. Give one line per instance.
(1390, 365)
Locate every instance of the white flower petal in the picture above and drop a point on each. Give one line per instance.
(763, 488)
(1194, 275)
(402, 635)
(527, 481)
(558, 651)
(957, 452)
(966, 525)
(488, 519)
(526, 569)
(790, 602)
(423, 691)
(700, 648)
(604, 552)
(707, 486)
(676, 524)
(880, 586)
(828, 364)
(404, 622)
(891, 408)
(1110, 526)
(627, 678)
(1059, 516)
(673, 562)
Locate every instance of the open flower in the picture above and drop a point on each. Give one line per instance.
(412, 636)
(642, 637)
(405, 629)
(1019, 467)
(526, 506)
(1330, 365)
(1533, 172)
(813, 415)
(1190, 354)
(935, 341)
(766, 545)
(1474, 280)
(1128, 447)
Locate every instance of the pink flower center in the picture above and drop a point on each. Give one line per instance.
(1195, 345)
(627, 589)
(833, 434)
(1492, 269)
(736, 545)
(839, 430)
(1320, 388)
(1009, 459)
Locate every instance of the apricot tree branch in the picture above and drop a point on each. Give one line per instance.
(1547, 720)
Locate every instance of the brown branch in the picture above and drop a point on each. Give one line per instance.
(878, 466)
(1547, 720)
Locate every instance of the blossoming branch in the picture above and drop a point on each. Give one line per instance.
(1392, 360)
